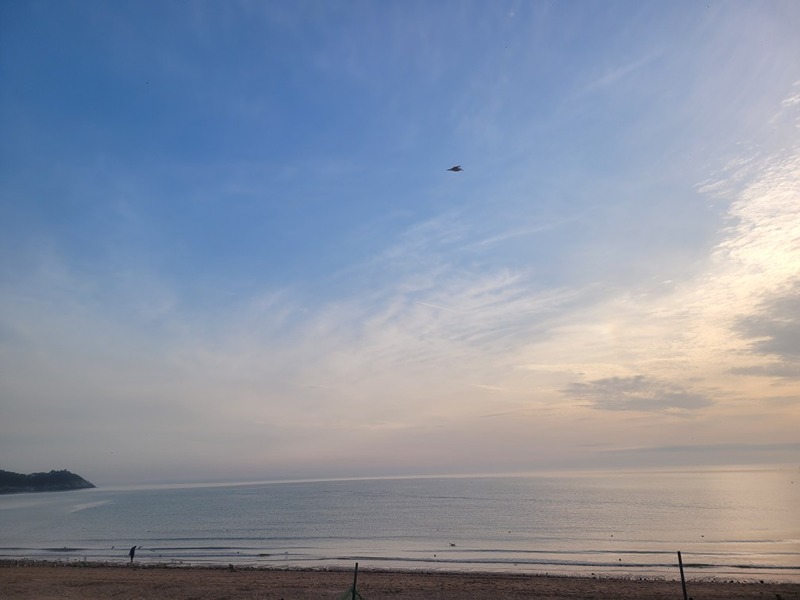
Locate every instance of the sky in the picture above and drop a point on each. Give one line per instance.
(230, 248)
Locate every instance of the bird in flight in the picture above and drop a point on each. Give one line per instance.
(455, 169)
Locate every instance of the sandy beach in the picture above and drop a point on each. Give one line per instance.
(44, 581)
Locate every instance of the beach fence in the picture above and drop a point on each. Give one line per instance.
(352, 592)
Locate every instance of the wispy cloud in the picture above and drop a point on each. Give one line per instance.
(714, 448)
(614, 75)
(436, 306)
(636, 393)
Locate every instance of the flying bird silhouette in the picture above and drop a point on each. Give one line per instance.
(455, 169)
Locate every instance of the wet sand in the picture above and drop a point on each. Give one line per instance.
(56, 581)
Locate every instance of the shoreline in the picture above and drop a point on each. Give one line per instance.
(92, 580)
(365, 568)
(559, 571)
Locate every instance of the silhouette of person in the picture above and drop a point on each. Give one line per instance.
(132, 552)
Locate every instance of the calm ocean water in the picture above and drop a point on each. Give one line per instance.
(740, 524)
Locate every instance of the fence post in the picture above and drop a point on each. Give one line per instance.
(683, 579)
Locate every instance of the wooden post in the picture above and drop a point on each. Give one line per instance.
(683, 579)
(355, 578)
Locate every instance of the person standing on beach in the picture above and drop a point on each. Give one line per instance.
(131, 553)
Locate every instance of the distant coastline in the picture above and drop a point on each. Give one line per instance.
(54, 481)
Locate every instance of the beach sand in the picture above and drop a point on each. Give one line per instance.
(55, 581)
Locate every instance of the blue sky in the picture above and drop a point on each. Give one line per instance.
(231, 248)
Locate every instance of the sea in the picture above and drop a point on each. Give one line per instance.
(731, 524)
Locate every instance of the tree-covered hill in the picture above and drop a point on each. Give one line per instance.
(54, 481)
